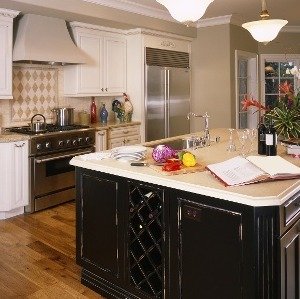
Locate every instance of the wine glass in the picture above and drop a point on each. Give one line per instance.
(252, 133)
(231, 146)
(243, 136)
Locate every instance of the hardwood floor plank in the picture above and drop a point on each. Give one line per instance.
(38, 256)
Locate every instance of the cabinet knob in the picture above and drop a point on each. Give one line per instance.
(106, 89)
(101, 134)
(102, 89)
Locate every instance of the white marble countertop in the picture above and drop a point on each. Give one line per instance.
(261, 194)
(11, 137)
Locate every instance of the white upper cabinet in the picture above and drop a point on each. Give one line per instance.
(105, 74)
(6, 34)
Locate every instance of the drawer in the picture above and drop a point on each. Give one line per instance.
(124, 131)
(292, 208)
(129, 140)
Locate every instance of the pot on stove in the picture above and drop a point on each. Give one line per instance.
(36, 125)
(63, 116)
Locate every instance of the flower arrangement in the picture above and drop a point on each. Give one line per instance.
(285, 115)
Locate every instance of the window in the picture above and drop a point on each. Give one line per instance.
(246, 85)
(273, 73)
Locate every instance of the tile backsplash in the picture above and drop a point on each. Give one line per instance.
(35, 91)
(38, 89)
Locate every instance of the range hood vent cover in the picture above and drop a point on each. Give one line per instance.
(43, 39)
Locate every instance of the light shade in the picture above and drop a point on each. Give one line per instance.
(186, 11)
(265, 31)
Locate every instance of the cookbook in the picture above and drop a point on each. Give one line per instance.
(253, 169)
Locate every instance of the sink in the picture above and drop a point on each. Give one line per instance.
(183, 143)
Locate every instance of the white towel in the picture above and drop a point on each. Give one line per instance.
(96, 156)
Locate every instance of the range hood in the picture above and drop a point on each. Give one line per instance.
(43, 39)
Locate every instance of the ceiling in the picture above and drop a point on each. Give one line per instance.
(247, 10)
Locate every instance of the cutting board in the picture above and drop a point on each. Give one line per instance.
(183, 170)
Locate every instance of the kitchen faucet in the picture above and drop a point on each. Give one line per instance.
(206, 129)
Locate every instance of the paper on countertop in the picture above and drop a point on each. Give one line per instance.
(96, 156)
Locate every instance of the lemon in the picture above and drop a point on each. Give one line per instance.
(188, 159)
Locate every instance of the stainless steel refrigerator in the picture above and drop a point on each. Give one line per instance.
(167, 96)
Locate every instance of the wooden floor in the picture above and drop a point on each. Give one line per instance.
(37, 256)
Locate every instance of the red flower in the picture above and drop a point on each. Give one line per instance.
(286, 88)
(247, 102)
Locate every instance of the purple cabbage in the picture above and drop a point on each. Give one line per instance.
(162, 153)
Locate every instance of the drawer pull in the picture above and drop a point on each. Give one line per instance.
(126, 132)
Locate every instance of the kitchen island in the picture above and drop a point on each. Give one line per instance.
(141, 234)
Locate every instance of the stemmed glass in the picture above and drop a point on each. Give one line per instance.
(243, 136)
(231, 146)
(252, 133)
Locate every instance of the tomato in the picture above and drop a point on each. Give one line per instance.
(172, 165)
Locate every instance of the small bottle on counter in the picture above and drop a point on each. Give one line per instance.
(271, 140)
(261, 135)
(93, 111)
(103, 114)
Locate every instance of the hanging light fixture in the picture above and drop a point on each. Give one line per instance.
(266, 29)
(186, 11)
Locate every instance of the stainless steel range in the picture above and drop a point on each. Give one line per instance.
(52, 178)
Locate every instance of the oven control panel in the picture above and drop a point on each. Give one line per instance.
(50, 143)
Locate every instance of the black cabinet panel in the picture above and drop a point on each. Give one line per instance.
(99, 246)
(210, 252)
(290, 263)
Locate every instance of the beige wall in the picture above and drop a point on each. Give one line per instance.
(211, 76)
(285, 43)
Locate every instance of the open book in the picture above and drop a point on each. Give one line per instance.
(252, 169)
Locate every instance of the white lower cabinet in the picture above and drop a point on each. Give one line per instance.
(14, 180)
(126, 135)
(101, 140)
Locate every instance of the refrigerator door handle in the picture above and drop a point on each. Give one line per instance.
(166, 106)
(167, 102)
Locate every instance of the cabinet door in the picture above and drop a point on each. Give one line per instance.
(290, 263)
(101, 140)
(210, 252)
(5, 60)
(90, 75)
(14, 175)
(98, 221)
(115, 62)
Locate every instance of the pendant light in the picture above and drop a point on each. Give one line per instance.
(266, 29)
(186, 11)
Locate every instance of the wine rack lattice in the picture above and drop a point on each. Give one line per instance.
(145, 239)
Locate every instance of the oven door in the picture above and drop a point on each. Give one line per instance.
(53, 178)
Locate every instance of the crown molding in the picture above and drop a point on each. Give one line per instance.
(156, 33)
(8, 13)
(222, 20)
(291, 29)
(80, 25)
(133, 7)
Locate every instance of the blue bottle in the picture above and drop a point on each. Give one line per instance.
(103, 114)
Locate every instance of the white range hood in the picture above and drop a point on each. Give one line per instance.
(43, 39)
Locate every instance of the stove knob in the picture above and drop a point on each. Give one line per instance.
(80, 140)
(60, 143)
(87, 139)
(74, 142)
(38, 146)
(48, 144)
(68, 142)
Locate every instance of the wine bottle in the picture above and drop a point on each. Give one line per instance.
(261, 142)
(271, 140)
(93, 111)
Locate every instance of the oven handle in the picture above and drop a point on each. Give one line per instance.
(38, 161)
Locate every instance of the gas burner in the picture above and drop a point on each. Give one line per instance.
(50, 128)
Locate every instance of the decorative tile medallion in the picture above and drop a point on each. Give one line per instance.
(34, 91)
